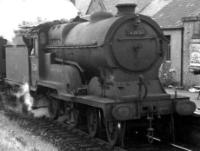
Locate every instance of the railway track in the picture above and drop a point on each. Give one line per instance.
(63, 136)
(67, 138)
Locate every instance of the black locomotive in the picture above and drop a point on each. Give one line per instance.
(104, 69)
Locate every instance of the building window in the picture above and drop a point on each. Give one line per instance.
(168, 53)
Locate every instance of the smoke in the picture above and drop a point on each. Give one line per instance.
(41, 112)
(14, 12)
(27, 98)
(26, 102)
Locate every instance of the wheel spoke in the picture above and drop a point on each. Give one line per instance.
(53, 108)
(93, 122)
(74, 117)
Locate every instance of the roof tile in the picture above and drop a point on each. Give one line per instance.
(170, 16)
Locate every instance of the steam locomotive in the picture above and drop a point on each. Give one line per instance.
(104, 70)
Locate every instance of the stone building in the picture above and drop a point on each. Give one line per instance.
(191, 36)
(178, 20)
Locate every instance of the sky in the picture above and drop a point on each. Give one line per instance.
(14, 12)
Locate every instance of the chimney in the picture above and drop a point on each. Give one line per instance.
(126, 9)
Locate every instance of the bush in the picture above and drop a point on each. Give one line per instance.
(167, 74)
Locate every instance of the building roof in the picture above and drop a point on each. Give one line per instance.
(168, 13)
(170, 16)
(110, 5)
(82, 5)
(141, 4)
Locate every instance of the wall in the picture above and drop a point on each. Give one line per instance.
(189, 78)
(175, 53)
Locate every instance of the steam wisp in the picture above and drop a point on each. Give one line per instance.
(24, 98)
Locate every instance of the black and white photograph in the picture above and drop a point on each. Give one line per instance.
(99, 75)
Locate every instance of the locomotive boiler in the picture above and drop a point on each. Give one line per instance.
(105, 69)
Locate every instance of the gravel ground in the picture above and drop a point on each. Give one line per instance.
(14, 138)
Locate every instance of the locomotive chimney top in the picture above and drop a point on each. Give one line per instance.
(126, 9)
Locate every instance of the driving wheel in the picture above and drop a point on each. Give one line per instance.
(115, 131)
(53, 108)
(93, 122)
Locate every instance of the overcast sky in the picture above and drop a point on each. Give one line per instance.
(13, 12)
